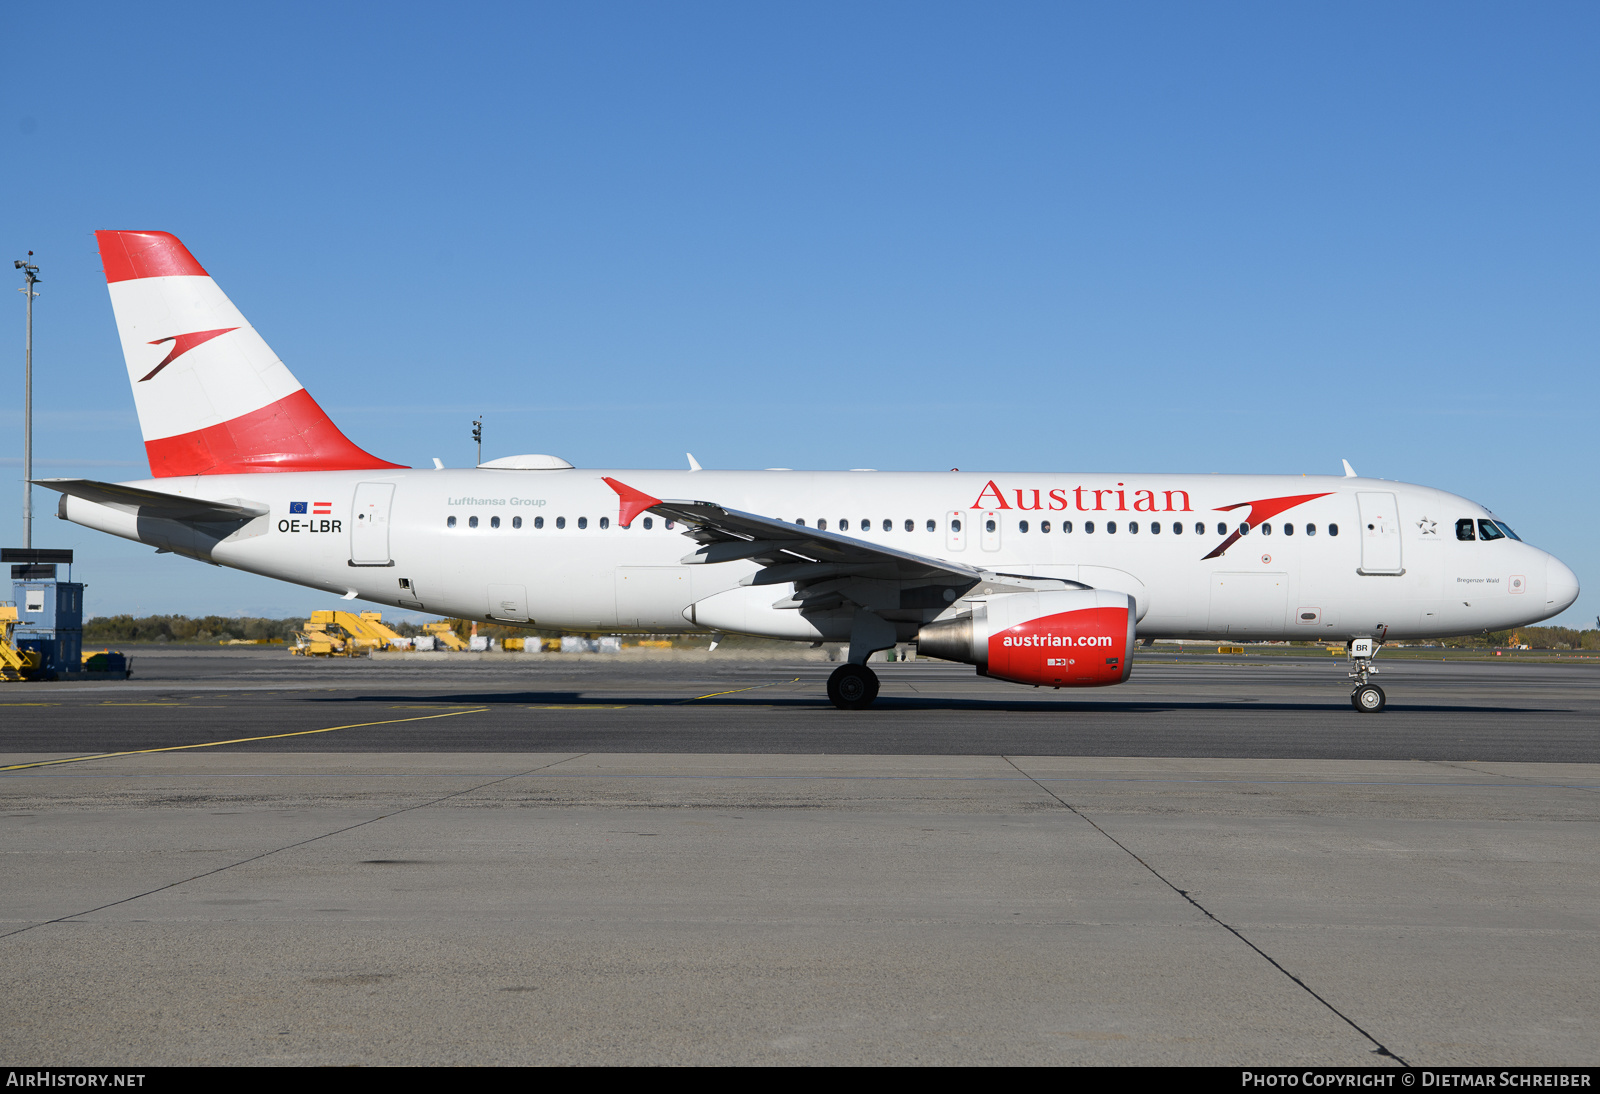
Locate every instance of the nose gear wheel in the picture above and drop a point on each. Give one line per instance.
(1368, 699)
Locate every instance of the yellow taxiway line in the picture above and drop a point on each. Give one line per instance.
(236, 740)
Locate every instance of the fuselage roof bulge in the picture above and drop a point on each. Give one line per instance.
(1039, 578)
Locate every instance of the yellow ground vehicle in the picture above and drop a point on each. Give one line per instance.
(444, 635)
(15, 664)
(346, 634)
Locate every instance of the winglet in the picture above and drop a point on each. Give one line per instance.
(1349, 472)
(633, 501)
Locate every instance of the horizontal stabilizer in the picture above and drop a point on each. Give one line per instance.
(153, 503)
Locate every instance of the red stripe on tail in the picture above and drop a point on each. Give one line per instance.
(292, 434)
(130, 255)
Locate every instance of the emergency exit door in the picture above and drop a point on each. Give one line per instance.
(369, 524)
(955, 533)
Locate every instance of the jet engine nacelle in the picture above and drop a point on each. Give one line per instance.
(1068, 639)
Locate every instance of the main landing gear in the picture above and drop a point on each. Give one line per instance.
(1366, 697)
(852, 687)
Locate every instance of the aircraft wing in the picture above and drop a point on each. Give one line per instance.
(153, 503)
(826, 568)
(792, 552)
(786, 552)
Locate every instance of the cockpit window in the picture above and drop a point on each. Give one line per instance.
(1464, 529)
(1487, 529)
(1506, 528)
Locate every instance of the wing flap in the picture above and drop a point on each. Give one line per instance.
(811, 552)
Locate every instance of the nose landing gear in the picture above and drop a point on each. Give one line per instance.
(1366, 697)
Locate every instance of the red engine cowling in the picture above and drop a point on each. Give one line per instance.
(1065, 639)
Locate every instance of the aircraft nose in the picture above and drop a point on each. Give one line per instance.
(1560, 583)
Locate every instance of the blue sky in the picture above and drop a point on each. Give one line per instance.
(1178, 237)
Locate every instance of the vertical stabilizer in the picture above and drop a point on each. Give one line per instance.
(213, 399)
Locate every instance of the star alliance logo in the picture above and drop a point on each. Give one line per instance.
(1428, 527)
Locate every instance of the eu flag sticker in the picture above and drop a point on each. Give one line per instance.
(297, 507)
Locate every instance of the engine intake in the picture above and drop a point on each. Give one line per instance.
(1065, 639)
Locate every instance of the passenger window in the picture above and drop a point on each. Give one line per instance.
(561, 522)
(472, 522)
(1266, 529)
(844, 526)
(1488, 531)
(933, 526)
(1222, 529)
(1311, 529)
(583, 522)
(911, 526)
(1177, 527)
(1111, 527)
(1333, 529)
(538, 522)
(450, 522)
(988, 526)
(888, 526)
(1464, 529)
(955, 526)
(1200, 528)
(1022, 525)
(605, 522)
(494, 522)
(822, 525)
(1088, 527)
(516, 522)
(1244, 528)
(1155, 528)
(1044, 526)
(1133, 527)
(670, 525)
(1066, 527)
(1288, 529)
(648, 524)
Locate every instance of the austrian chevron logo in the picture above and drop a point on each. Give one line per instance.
(1264, 509)
(182, 344)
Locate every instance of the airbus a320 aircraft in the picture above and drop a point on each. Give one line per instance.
(1038, 578)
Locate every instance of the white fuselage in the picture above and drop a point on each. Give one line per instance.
(1395, 567)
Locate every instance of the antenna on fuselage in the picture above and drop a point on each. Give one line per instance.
(694, 464)
(1349, 472)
